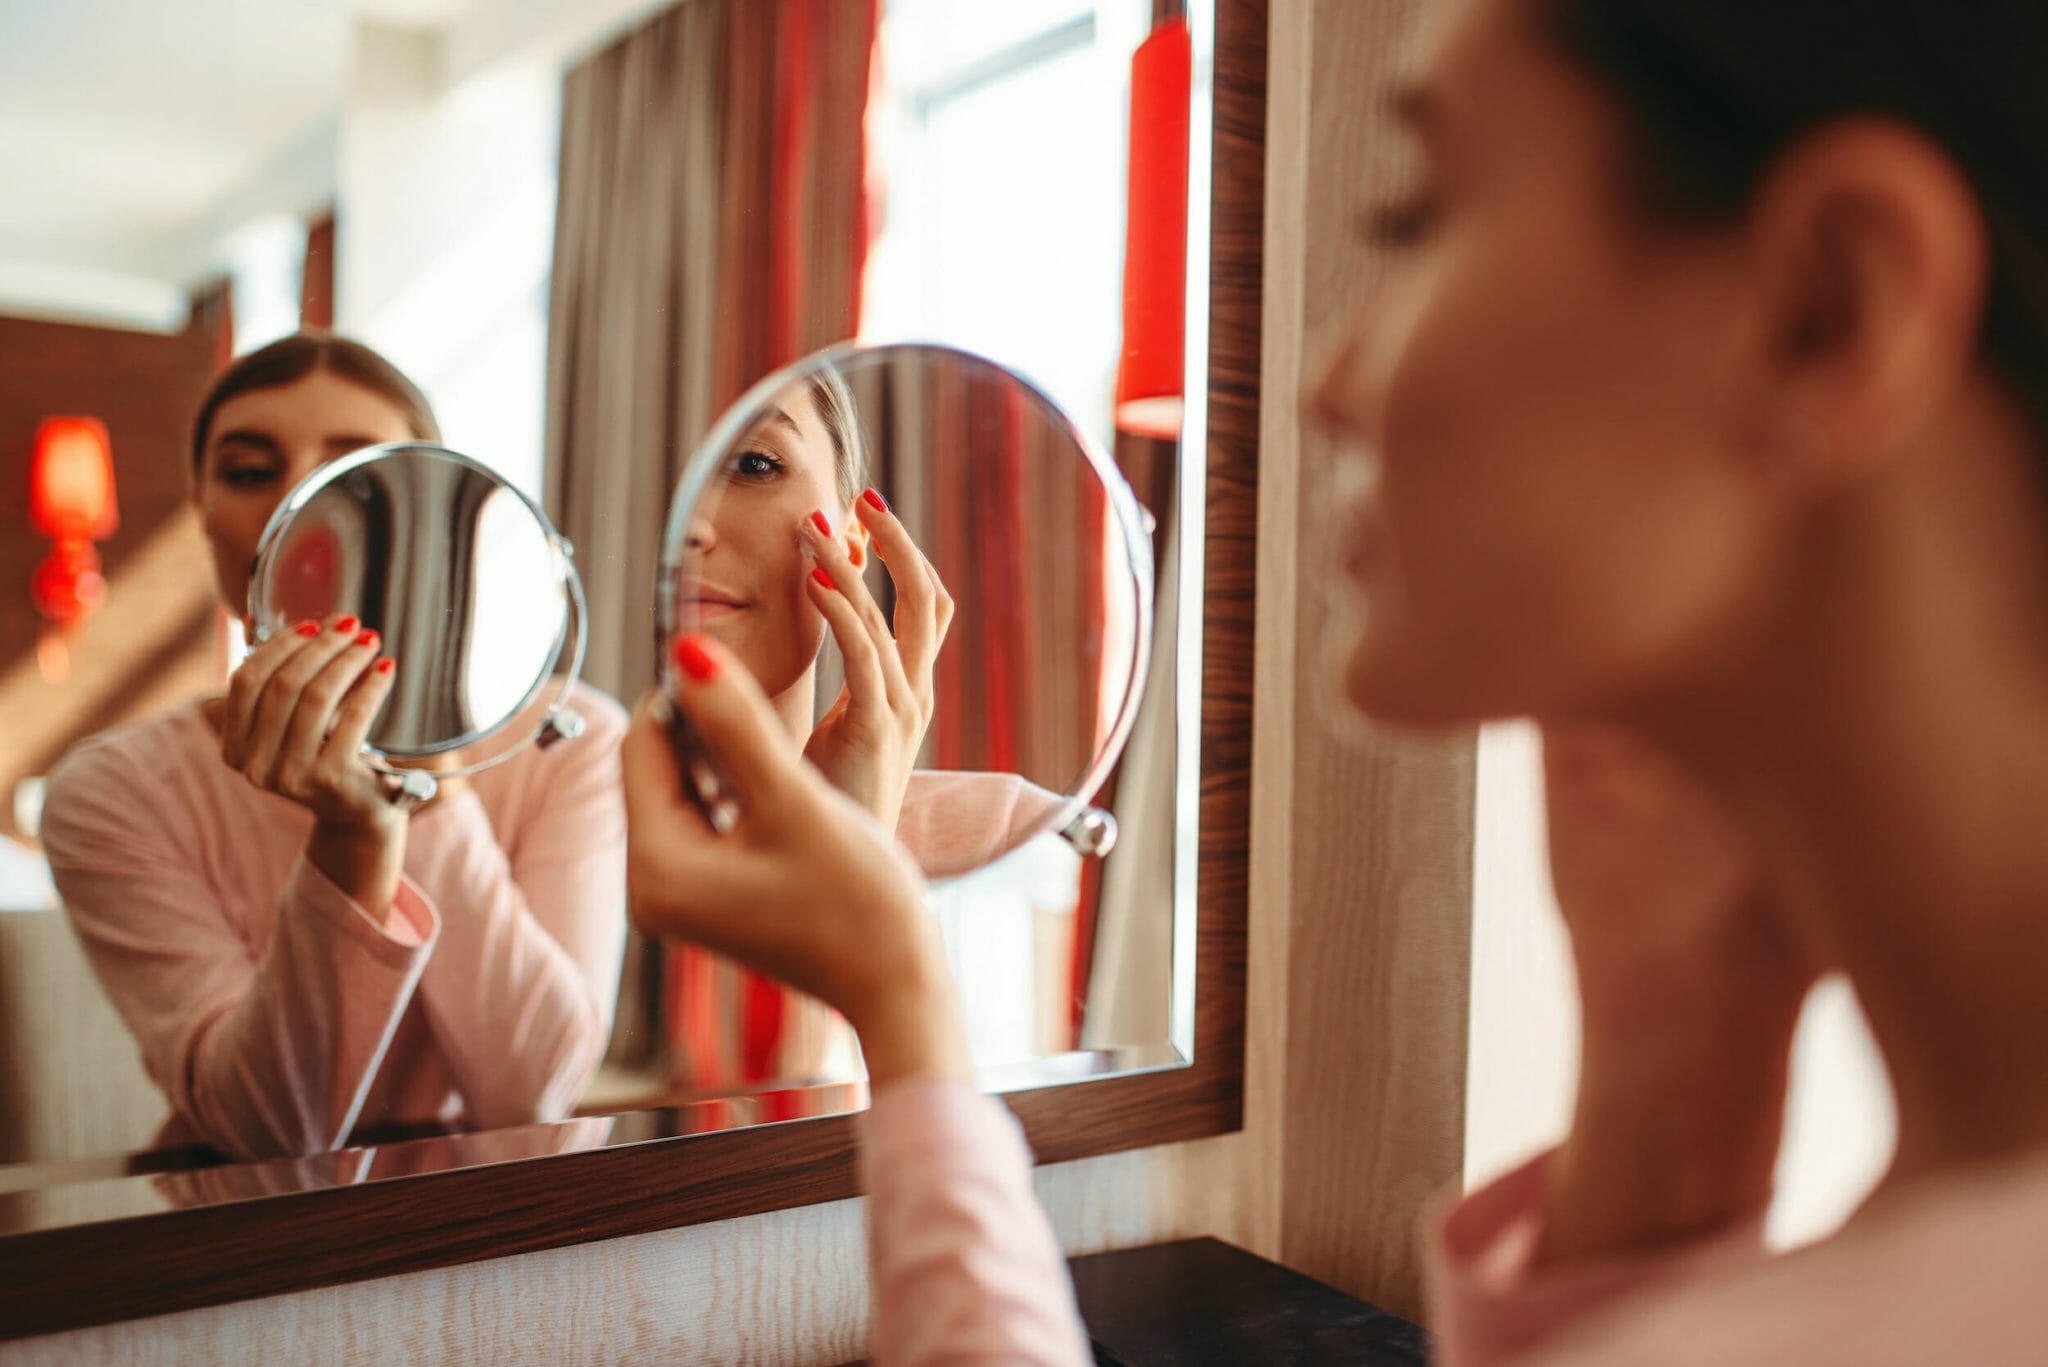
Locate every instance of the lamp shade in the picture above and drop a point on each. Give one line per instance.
(71, 484)
(1150, 375)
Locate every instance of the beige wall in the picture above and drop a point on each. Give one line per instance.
(1362, 865)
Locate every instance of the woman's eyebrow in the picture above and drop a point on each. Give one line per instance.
(345, 442)
(247, 436)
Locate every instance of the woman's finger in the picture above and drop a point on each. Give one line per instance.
(245, 687)
(279, 699)
(312, 716)
(734, 720)
(359, 707)
(846, 578)
(867, 684)
(919, 630)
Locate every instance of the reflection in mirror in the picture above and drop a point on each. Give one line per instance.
(302, 963)
(946, 592)
(478, 191)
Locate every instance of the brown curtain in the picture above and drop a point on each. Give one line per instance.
(713, 225)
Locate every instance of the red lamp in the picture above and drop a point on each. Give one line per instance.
(71, 501)
(1149, 376)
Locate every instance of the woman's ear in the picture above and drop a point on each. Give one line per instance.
(857, 539)
(1874, 263)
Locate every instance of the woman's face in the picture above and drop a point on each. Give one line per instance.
(746, 581)
(1548, 507)
(263, 442)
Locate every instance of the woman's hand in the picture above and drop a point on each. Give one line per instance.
(869, 738)
(1690, 985)
(293, 723)
(807, 887)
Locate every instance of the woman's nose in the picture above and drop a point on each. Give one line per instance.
(1339, 397)
(700, 536)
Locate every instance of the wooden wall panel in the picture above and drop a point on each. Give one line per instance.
(1360, 928)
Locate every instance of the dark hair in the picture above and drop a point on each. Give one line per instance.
(1716, 89)
(299, 355)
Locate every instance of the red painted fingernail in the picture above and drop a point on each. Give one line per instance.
(385, 666)
(818, 521)
(824, 579)
(876, 501)
(308, 628)
(348, 623)
(368, 638)
(694, 660)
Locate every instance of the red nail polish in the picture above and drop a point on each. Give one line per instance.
(824, 579)
(876, 501)
(818, 521)
(307, 628)
(385, 666)
(368, 638)
(347, 624)
(694, 660)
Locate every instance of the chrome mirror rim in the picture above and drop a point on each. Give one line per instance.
(574, 627)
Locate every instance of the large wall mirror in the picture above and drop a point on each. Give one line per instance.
(1024, 240)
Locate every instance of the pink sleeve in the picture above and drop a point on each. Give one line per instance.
(965, 1266)
(260, 1057)
(1486, 1306)
(520, 990)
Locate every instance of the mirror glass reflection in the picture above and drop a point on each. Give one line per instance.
(571, 295)
(946, 592)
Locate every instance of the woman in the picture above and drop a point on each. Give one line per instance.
(298, 958)
(1700, 415)
(775, 560)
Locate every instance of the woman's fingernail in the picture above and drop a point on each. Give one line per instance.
(818, 521)
(876, 501)
(348, 623)
(824, 579)
(368, 638)
(694, 660)
(386, 665)
(307, 628)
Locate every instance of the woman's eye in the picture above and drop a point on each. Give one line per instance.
(755, 465)
(1403, 223)
(249, 477)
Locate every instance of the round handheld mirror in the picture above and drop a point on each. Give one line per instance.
(468, 583)
(999, 593)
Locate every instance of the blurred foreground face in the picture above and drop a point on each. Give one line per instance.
(1551, 509)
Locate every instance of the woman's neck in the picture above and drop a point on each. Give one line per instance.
(1887, 741)
(797, 706)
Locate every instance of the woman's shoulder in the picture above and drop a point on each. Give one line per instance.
(957, 820)
(1944, 1272)
(138, 747)
(115, 776)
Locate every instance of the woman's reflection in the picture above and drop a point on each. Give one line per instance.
(775, 561)
(296, 957)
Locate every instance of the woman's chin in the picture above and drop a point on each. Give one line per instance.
(1387, 685)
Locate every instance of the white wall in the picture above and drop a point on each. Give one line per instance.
(445, 217)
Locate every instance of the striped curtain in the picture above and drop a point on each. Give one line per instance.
(714, 224)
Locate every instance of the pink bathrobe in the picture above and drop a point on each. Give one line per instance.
(276, 1014)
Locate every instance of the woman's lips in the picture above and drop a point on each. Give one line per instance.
(707, 604)
(708, 610)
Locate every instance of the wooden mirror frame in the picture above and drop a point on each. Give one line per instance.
(75, 1276)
